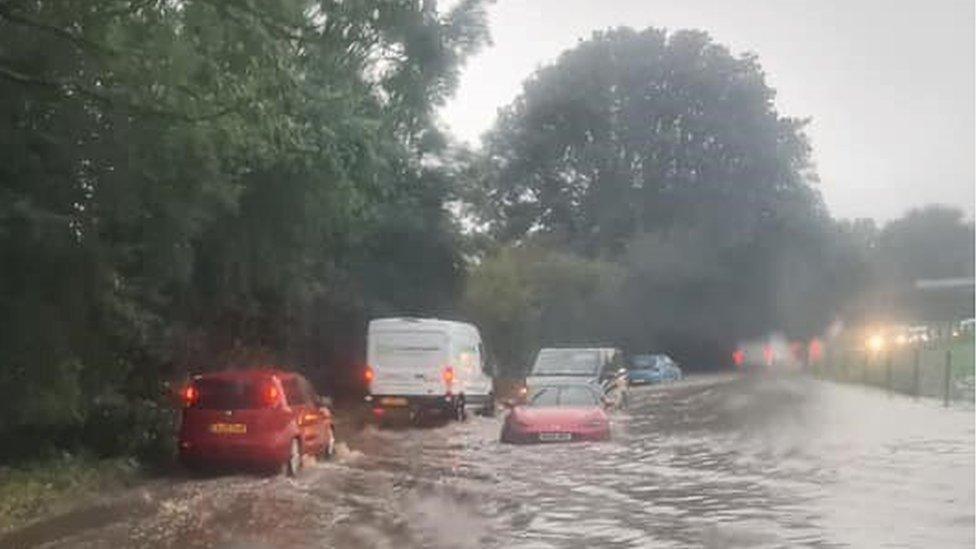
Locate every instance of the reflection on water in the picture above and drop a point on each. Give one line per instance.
(717, 462)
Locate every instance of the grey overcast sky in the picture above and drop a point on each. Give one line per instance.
(888, 83)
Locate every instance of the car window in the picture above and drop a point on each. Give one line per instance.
(226, 394)
(572, 362)
(548, 396)
(307, 390)
(293, 391)
(577, 396)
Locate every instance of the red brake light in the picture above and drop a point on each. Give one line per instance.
(368, 375)
(738, 357)
(190, 396)
(270, 395)
(448, 375)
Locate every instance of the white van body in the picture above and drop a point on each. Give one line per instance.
(409, 359)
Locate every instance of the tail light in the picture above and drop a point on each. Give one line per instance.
(368, 375)
(270, 395)
(190, 396)
(448, 375)
(738, 357)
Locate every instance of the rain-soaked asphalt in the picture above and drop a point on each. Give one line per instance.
(718, 462)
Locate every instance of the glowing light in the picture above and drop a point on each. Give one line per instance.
(190, 395)
(901, 339)
(738, 357)
(876, 342)
(815, 351)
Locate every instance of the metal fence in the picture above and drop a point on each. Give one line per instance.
(941, 369)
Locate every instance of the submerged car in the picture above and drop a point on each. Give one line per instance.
(647, 369)
(559, 413)
(598, 366)
(267, 418)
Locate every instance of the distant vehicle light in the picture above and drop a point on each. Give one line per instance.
(815, 351)
(368, 375)
(190, 396)
(448, 375)
(875, 343)
(739, 357)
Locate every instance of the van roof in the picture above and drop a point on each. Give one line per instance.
(400, 322)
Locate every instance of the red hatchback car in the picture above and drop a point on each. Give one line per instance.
(558, 413)
(256, 417)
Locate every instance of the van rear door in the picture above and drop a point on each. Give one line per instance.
(408, 362)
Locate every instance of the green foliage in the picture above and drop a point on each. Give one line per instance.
(198, 184)
(634, 132)
(54, 485)
(663, 154)
(524, 297)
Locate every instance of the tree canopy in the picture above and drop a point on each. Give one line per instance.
(192, 184)
(639, 131)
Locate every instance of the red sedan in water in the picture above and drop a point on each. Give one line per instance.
(558, 413)
(257, 417)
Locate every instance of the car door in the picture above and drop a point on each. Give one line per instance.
(305, 413)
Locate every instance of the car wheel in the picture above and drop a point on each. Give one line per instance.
(489, 409)
(460, 412)
(329, 449)
(294, 463)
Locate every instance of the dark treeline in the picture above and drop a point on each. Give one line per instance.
(209, 183)
(204, 184)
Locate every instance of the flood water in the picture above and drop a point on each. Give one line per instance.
(715, 462)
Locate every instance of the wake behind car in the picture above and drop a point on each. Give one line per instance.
(558, 413)
(254, 417)
(422, 365)
(601, 366)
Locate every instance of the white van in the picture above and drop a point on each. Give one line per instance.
(424, 364)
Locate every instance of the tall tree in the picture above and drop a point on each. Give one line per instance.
(635, 132)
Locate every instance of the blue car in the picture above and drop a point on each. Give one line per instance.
(649, 369)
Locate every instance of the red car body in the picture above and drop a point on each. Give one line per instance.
(575, 420)
(253, 418)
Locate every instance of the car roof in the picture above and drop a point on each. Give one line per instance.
(251, 373)
(569, 382)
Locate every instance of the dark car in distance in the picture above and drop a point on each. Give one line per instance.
(268, 418)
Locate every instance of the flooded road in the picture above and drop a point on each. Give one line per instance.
(717, 462)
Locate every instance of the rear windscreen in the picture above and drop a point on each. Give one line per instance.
(567, 362)
(224, 394)
(409, 349)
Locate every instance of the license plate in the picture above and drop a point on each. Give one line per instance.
(228, 428)
(555, 437)
(393, 401)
